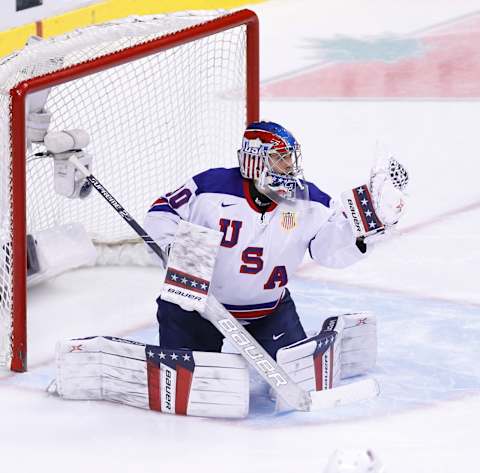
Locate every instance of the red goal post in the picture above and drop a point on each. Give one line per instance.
(117, 95)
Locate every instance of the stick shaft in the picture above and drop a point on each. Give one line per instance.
(128, 218)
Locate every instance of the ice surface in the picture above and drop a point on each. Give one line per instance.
(423, 285)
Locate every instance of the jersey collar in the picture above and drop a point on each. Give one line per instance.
(251, 202)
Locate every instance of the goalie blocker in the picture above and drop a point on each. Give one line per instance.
(151, 377)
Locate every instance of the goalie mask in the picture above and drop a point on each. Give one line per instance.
(270, 155)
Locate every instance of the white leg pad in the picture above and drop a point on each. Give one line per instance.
(359, 344)
(353, 352)
(312, 363)
(319, 362)
(147, 376)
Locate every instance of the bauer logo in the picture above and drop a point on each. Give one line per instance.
(327, 375)
(354, 214)
(178, 292)
(168, 390)
(239, 338)
(168, 383)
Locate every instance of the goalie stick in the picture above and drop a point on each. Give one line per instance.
(296, 397)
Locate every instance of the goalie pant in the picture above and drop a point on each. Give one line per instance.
(151, 377)
(182, 328)
(357, 341)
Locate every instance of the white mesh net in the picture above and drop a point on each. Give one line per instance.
(153, 122)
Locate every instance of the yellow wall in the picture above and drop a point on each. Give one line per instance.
(15, 38)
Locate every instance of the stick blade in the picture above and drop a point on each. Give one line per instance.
(362, 390)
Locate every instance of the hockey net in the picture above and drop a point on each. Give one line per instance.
(162, 98)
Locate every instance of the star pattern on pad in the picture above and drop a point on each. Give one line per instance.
(175, 277)
(171, 358)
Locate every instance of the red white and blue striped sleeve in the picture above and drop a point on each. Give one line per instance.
(162, 205)
(164, 214)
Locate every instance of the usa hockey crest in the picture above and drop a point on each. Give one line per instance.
(288, 220)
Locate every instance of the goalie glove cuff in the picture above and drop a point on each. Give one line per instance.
(360, 210)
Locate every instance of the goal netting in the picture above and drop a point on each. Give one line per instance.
(162, 98)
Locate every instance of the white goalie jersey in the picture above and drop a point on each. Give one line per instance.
(259, 250)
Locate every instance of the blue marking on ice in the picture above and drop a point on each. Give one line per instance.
(425, 352)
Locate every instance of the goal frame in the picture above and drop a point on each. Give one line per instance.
(18, 96)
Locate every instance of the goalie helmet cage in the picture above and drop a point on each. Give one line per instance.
(162, 97)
